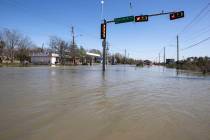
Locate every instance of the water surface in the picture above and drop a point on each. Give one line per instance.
(125, 103)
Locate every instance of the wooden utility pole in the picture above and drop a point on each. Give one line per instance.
(159, 58)
(73, 36)
(164, 56)
(125, 56)
(73, 44)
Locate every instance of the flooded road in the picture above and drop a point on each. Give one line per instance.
(82, 103)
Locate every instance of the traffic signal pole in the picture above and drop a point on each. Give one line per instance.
(103, 36)
(104, 54)
(141, 18)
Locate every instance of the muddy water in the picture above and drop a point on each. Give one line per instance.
(82, 103)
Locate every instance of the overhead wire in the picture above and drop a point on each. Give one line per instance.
(201, 15)
(196, 44)
(196, 36)
(195, 18)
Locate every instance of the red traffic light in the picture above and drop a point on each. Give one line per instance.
(103, 31)
(176, 15)
(142, 18)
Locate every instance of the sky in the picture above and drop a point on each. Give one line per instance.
(40, 19)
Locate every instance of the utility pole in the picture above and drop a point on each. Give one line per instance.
(164, 56)
(177, 38)
(73, 43)
(125, 56)
(159, 58)
(42, 47)
(73, 36)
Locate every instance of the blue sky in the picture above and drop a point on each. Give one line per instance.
(40, 19)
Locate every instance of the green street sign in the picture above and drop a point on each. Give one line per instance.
(124, 19)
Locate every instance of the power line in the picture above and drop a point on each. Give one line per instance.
(195, 18)
(197, 36)
(196, 44)
(202, 14)
(198, 25)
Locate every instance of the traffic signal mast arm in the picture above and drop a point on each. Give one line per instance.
(141, 18)
(159, 14)
(181, 13)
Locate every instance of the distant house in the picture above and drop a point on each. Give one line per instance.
(170, 61)
(72, 61)
(94, 58)
(147, 62)
(190, 59)
(45, 58)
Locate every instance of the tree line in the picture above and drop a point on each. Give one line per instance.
(200, 64)
(196, 64)
(15, 46)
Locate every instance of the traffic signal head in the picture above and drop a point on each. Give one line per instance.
(142, 18)
(176, 15)
(103, 31)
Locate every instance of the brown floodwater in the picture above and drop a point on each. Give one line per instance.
(82, 103)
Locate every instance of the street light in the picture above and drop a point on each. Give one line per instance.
(102, 9)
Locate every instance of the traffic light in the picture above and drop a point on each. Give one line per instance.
(142, 18)
(103, 31)
(176, 15)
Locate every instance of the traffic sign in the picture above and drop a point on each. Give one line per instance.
(176, 15)
(142, 18)
(124, 19)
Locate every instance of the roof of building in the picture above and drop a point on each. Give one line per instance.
(45, 55)
(93, 54)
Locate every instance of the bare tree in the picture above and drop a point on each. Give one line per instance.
(2, 45)
(11, 39)
(119, 58)
(82, 52)
(74, 52)
(23, 49)
(35, 49)
(59, 46)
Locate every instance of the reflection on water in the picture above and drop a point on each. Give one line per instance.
(125, 103)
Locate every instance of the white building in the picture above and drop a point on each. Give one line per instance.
(45, 58)
(92, 54)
